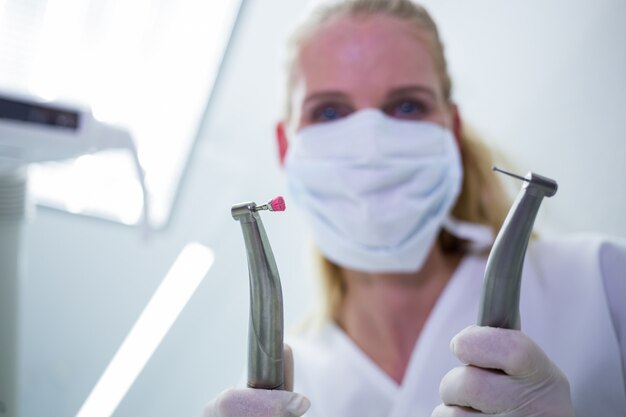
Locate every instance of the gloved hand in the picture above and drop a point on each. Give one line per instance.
(249, 402)
(507, 375)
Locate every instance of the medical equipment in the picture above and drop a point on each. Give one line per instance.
(34, 130)
(499, 306)
(265, 335)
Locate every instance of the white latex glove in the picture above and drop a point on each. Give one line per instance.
(507, 375)
(249, 402)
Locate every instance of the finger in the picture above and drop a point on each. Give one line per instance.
(509, 350)
(485, 390)
(288, 367)
(210, 410)
(443, 410)
(297, 405)
(258, 403)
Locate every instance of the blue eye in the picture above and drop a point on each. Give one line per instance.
(406, 109)
(329, 112)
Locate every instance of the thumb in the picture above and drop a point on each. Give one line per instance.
(288, 367)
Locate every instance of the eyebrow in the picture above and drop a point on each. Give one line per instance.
(401, 91)
(325, 95)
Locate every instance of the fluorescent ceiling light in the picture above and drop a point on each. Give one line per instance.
(162, 310)
(145, 65)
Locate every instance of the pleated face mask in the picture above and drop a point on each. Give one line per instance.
(375, 190)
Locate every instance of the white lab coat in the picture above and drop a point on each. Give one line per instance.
(572, 305)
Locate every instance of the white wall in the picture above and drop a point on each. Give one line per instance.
(544, 81)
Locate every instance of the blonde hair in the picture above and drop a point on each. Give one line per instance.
(482, 199)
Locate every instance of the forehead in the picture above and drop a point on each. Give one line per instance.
(349, 53)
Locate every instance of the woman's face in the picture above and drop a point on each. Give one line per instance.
(377, 62)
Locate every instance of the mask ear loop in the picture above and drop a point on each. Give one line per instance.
(480, 236)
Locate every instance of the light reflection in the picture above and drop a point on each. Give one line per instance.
(155, 320)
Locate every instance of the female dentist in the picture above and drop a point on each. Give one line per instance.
(402, 208)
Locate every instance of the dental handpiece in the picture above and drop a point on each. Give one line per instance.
(265, 332)
(499, 306)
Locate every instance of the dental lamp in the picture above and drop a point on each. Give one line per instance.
(33, 130)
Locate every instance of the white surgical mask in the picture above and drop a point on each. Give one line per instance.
(376, 190)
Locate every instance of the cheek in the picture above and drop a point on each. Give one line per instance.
(441, 116)
(450, 113)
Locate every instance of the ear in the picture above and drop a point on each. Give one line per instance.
(281, 142)
(457, 125)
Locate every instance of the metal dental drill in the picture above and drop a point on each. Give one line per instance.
(265, 332)
(499, 305)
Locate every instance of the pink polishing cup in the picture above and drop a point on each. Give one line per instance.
(278, 204)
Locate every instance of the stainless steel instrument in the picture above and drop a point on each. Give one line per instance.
(499, 305)
(265, 333)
